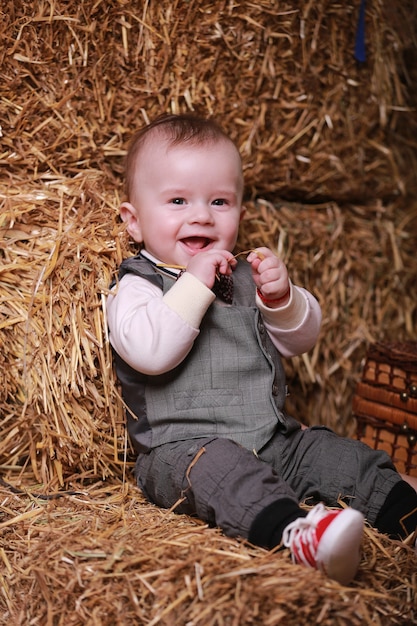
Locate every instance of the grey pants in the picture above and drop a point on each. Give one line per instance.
(227, 485)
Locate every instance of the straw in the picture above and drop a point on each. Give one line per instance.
(329, 154)
(108, 557)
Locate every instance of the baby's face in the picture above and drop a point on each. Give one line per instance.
(186, 199)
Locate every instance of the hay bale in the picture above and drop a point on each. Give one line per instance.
(359, 261)
(311, 122)
(76, 81)
(60, 404)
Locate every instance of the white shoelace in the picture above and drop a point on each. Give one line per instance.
(301, 532)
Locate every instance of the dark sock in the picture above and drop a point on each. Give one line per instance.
(268, 526)
(398, 515)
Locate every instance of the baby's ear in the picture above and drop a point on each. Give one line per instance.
(129, 215)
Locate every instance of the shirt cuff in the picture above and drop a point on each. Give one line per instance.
(289, 316)
(190, 298)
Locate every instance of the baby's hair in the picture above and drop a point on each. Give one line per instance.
(176, 129)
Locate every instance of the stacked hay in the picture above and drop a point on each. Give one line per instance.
(77, 79)
(311, 122)
(360, 263)
(59, 404)
(330, 163)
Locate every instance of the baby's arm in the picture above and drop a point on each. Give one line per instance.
(293, 328)
(151, 331)
(291, 314)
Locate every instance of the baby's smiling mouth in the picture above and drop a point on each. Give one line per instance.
(196, 244)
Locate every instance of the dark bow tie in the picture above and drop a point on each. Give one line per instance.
(223, 288)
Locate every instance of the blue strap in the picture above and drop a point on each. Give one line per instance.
(360, 48)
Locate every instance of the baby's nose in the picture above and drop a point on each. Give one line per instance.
(201, 212)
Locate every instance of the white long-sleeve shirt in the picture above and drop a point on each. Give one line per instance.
(153, 332)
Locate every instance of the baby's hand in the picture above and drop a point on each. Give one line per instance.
(207, 265)
(270, 276)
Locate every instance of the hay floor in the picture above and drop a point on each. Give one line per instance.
(104, 556)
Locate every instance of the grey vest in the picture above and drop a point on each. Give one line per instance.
(231, 384)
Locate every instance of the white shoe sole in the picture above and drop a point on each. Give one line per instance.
(338, 553)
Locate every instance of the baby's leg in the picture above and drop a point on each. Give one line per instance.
(217, 480)
(321, 466)
(228, 486)
(411, 480)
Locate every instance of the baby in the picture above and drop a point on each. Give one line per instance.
(198, 336)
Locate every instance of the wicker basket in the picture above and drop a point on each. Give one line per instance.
(385, 402)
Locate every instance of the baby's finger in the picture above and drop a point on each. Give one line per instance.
(256, 254)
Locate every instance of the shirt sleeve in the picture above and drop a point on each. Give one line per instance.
(153, 332)
(293, 328)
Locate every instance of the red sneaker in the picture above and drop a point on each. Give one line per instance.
(327, 540)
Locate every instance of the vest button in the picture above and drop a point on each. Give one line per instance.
(274, 390)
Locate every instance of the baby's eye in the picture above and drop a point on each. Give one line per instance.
(178, 201)
(219, 202)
